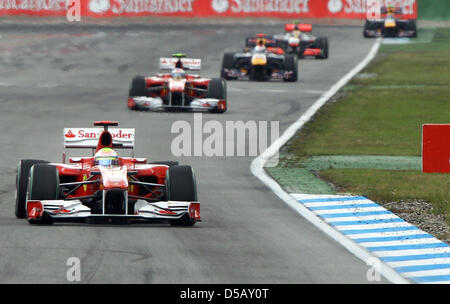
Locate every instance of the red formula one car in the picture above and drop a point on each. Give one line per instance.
(178, 90)
(105, 187)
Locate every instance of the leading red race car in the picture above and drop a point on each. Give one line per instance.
(178, 90)
(105, 187)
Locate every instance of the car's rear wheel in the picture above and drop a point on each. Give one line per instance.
(43, 184)
(181, 186)
(23, 170)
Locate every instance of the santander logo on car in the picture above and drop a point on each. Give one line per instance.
(93, 134)
(69, 134)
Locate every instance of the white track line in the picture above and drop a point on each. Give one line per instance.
(257, 169)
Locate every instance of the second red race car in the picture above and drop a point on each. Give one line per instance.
(178, 90)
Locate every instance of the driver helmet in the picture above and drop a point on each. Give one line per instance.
(391, 9)
(259, 49)
(178, 74)
(106, 157)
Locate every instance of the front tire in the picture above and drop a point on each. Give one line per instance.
(217, 89)
(322, 43)
(43, 184)
(291, 64)
(23, 170)
(181, 186)
(138, 87)
(227, 63)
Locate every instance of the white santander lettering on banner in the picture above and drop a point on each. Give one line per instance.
(151, 6)
(35, 5)
(360, 6)
(263, 6)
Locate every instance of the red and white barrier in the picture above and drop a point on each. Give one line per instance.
(353, 9)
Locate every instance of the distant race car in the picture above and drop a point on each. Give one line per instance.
(105, 187)
(390, 25)
(262, 62)
(299, 40)
(178, 90)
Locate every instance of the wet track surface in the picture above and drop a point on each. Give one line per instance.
(64, 76)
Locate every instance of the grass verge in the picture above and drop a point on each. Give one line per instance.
(381, 112)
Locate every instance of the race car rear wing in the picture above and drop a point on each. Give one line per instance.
(86, 138)
(396, 10)
(166, 63)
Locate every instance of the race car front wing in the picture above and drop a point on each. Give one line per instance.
(156, 104)
(75, 211)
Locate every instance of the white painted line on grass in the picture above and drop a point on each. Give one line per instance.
(257, 168)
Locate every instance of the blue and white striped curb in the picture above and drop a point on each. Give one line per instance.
(413, 253)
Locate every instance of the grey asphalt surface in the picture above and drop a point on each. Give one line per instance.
(68, 76)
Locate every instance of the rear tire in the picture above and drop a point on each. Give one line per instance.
(23, 170)
(181, 186)
(43, 184)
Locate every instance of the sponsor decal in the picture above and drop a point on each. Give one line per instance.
(75, 9)
(119, 7)
(93, 134)
(334, 6)
(35, 5)
(220, 6)
(70, 134)
(285, 6)
(99, 6)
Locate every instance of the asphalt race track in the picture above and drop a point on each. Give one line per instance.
(68, 76)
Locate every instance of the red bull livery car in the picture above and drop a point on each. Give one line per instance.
(178, 90)
(105, 187)
(390, 24)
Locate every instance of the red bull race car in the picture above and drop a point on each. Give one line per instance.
(390, 24)
(178, 90)
(262, 62)
(299, 40)
(105, 187)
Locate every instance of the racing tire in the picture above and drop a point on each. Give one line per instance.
(322, 43)
(43, 184)
(217, 89)
(181, 186)
(412, 27)
(369, 26)
(291, 64)
(23, 170)
(227, 63)
(138, 87)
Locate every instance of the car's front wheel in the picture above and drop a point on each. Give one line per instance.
(181, 186)
(23, 170)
